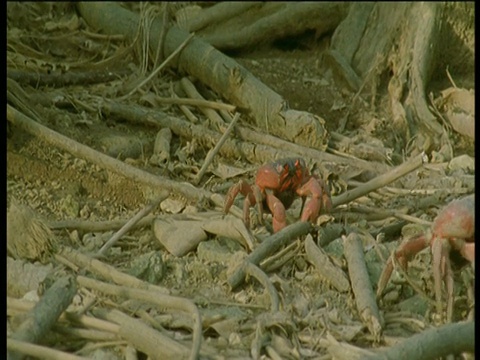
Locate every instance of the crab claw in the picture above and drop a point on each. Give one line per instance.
(319, 198)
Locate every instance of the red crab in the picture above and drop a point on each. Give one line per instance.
(452, 229)
(276, 186)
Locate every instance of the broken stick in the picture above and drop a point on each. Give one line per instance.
(154, 297)
(327, 270)
(45, 313)
(106, 271)
(125, 228)
(381, 180)
(433, 344)
(256, 272)
(38, 351)
(144, 337)
(268, 247)
(215, 150)
(361, 285)
(191, 91)
(97, 226)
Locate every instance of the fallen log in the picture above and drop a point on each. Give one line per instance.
(267, 109)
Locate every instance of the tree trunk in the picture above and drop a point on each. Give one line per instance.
(402, 42)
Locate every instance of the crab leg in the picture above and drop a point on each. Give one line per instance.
(277, 209)
(257, 193)
(442, 270)
(403, 254)
(245, 189)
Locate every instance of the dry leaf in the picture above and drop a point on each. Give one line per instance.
(172, 206)
(226, 171)
(231, 227)
(178, 236)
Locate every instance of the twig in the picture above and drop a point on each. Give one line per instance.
(72, 77)
(451, 79)
(433, 343)
(230, 303)
(20, 99)
(105, 344)
(326, 269)
(161, 39)
(125, 228)
(108, 272)
(316, 155)
(143, 337)
(281, 257)
(257, 273)
(381, 180)
(186, 111)
(415, 324)
(97, 226)
(45, 313)
(154, 297)
(263, 149)
(98, 158)
(158, 69)
(119, 37)
(196, 102)
(191, 91)
(268, 247)
(38, 351)
(342, 350)
(88, 334)
(218, 12)
(17, 305)
(361, 285)
(211, 154)
(387, 213)
(399, 191)
(342, 141)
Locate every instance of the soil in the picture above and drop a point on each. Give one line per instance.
(59, 186)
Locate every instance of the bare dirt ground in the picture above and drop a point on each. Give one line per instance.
(239, 323)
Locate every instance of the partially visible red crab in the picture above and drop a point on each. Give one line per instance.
(452, 229)
(276, 186)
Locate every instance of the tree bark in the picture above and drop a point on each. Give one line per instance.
(273, 21)
(398, 39)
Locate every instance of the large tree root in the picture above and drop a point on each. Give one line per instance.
(403, 41)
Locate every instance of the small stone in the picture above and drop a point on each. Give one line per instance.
(172, 206)
(148, 267)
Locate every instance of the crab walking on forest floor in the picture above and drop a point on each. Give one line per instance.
(453, 229)
(276, 186)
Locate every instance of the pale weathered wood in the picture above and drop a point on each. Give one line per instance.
(268, 109)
